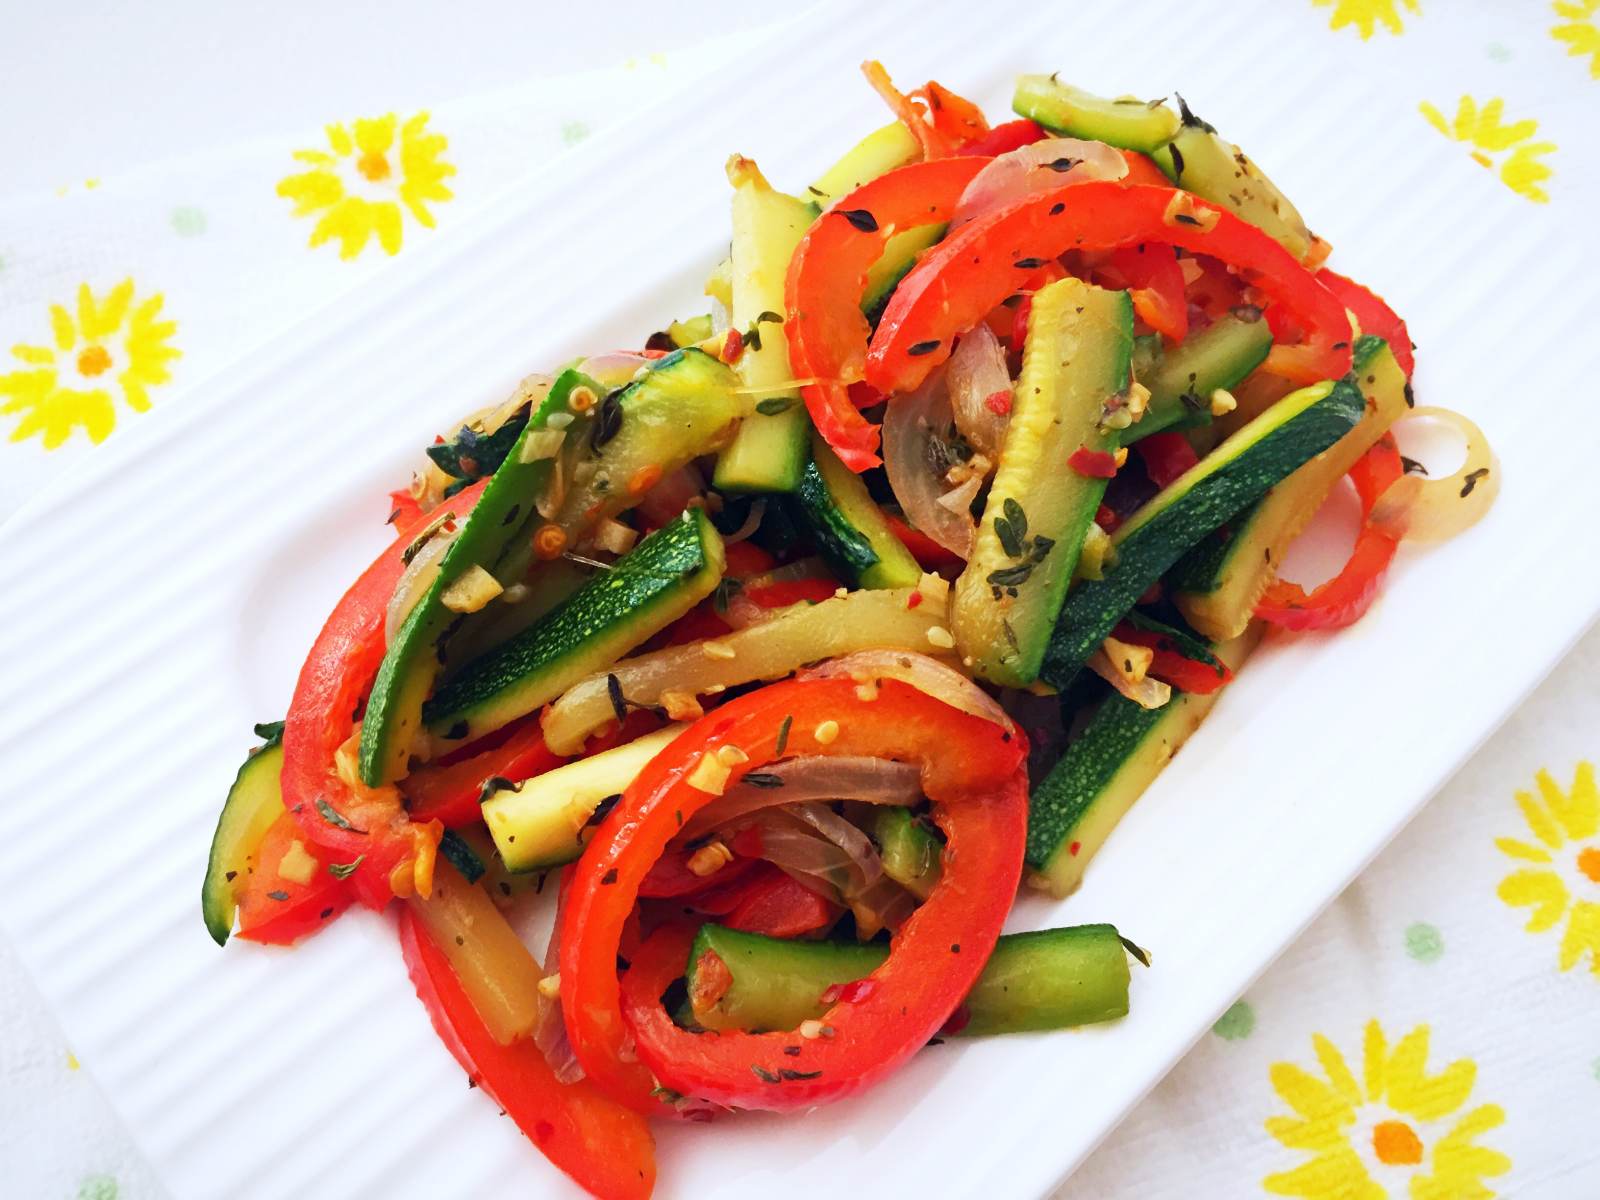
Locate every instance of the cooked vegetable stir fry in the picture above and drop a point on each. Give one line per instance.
(777, 652)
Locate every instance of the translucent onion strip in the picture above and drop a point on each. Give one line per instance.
(1435, 510)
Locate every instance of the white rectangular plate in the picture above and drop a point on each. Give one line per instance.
(161, 601)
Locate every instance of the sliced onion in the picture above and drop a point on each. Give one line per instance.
(1434, 510)
(743, 612)
(414, 583)
(550, 1030)
(614, 370)
(666, 501)
(909, 427)
(845, 836)
(1027, 169)
(751, 523)
(884, 905)
(977, 371)
(813, 777)
(959, 498)
(1148, 692)
(796, 848)
(927, 675)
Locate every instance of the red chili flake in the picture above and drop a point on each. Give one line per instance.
(1019, 323)
(1096, 464)
(848, 993)
(999, 403)
(914, 599)
(1152, 594)
(1074, 848)
(957, 1022)
(732, 346)
(1106, 518)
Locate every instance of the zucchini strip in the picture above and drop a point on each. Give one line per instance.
(802, 634)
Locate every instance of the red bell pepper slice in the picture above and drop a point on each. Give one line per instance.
(958, 281)
(1343, 599)
(769, 902)
(404, 511)
(780, 906)
(745, 559)
(451, 791)
(280, 911)
(1171, 665)
(766, 900)
(940, 120)
(606, 1148)
(1374, 315)
(1154, 282)
(1007, 136)
(1166, 456)
(350, 822)
(930, 555)
(1142, 169)
(826, 329)
(792, 591)
(973, 772)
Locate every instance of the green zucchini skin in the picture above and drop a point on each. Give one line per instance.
(1072, 112)
(254, 802)
(664, 576)
(411, 664)
(912, 856)
(1218, 582)
(1200, 161)
(1048, 979)
(768, 450)
(1038, 511)
(900, 254)
(848, 526)
(1182, 380)
(1107, 767)
(1236, 473)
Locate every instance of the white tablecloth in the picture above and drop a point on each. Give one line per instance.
(168, 203)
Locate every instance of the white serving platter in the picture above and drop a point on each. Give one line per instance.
(160, 601)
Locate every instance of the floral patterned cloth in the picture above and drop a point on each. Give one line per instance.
(1433, 1035)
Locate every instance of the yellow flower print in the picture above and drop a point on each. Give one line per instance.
(1395, 1131)
(117, 342)
(1560, 880)
(1580, 30)
(361, 181)
(1523, 169)
(1365, 15)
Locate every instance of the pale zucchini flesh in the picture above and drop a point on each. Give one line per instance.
(879, 152)
(685, 406)
(411, 665)
(805, 633)
(850, 529)
(546, 821)
(664, 576)
(1200, 161)
(254, 802)
(768, 452)
(1075, 367)
(1204, 498)
(1220, 581)
(1072, 112)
